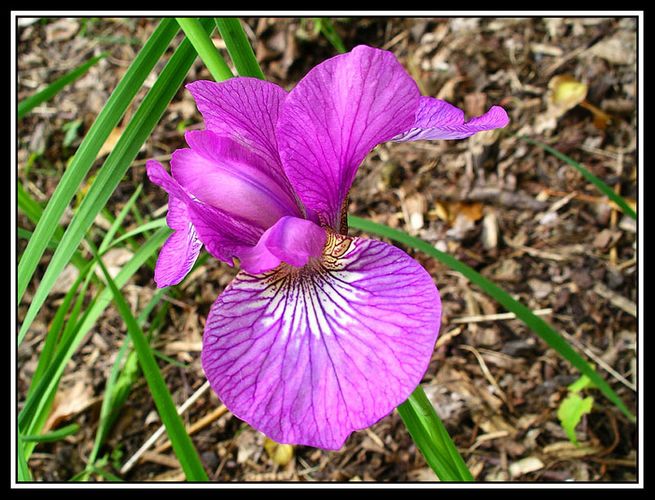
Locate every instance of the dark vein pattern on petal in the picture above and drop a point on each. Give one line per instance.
(309, 355)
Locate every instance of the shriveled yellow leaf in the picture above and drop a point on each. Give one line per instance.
(565, 92)
(281, 454)
(111, 141)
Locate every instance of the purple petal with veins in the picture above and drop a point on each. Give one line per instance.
(308, 355)
(291, 240)
(335, 116)
(225, 175)
(437, 119)
(223, 234)
(245, 110)
(181, 249)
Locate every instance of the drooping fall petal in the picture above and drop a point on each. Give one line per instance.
(309, 355)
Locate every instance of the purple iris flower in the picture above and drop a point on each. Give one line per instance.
(320, 333)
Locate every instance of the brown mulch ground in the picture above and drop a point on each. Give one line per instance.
(516, 214)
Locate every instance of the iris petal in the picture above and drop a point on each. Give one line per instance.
(224, 174)
(245, 110)
(309, 355)
(181, 249)
(291, 240)
(437, 119)
(223, 234)
(334, 117)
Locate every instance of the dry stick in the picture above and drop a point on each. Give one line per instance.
(494, 317)
(159, 432)
(616, 299)
(599, 360)
(489, 376)
(200, 424)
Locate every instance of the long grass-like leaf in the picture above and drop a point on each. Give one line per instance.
(431, 437)
(239, 47)
(32, 410)
(600, 185)
(24, 474)
(33, 210)
(328, 31)
(119, 160)
(180, 439)
(44, 405)
(51, 90)
(148, 226)
(113, 229)
(50, 437)
(205, 48)
(108, 118)
(55, 330)
(535, 323)
(120, 381)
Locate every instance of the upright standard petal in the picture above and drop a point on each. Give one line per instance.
(224, 174)
(246, 110)
(334, 117)
(308, 355)
(437, 119)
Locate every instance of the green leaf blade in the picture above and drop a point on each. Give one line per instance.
(600, 185)
(239, 47)
(53, 436)
(34, 404)
(431, 437)
(205, 48)
(180, 439)
(108, 118)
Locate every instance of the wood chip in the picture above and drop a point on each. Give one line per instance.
(158, 458)
(489, 235)
(524, 466)
(566, 449)
(617, 300)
